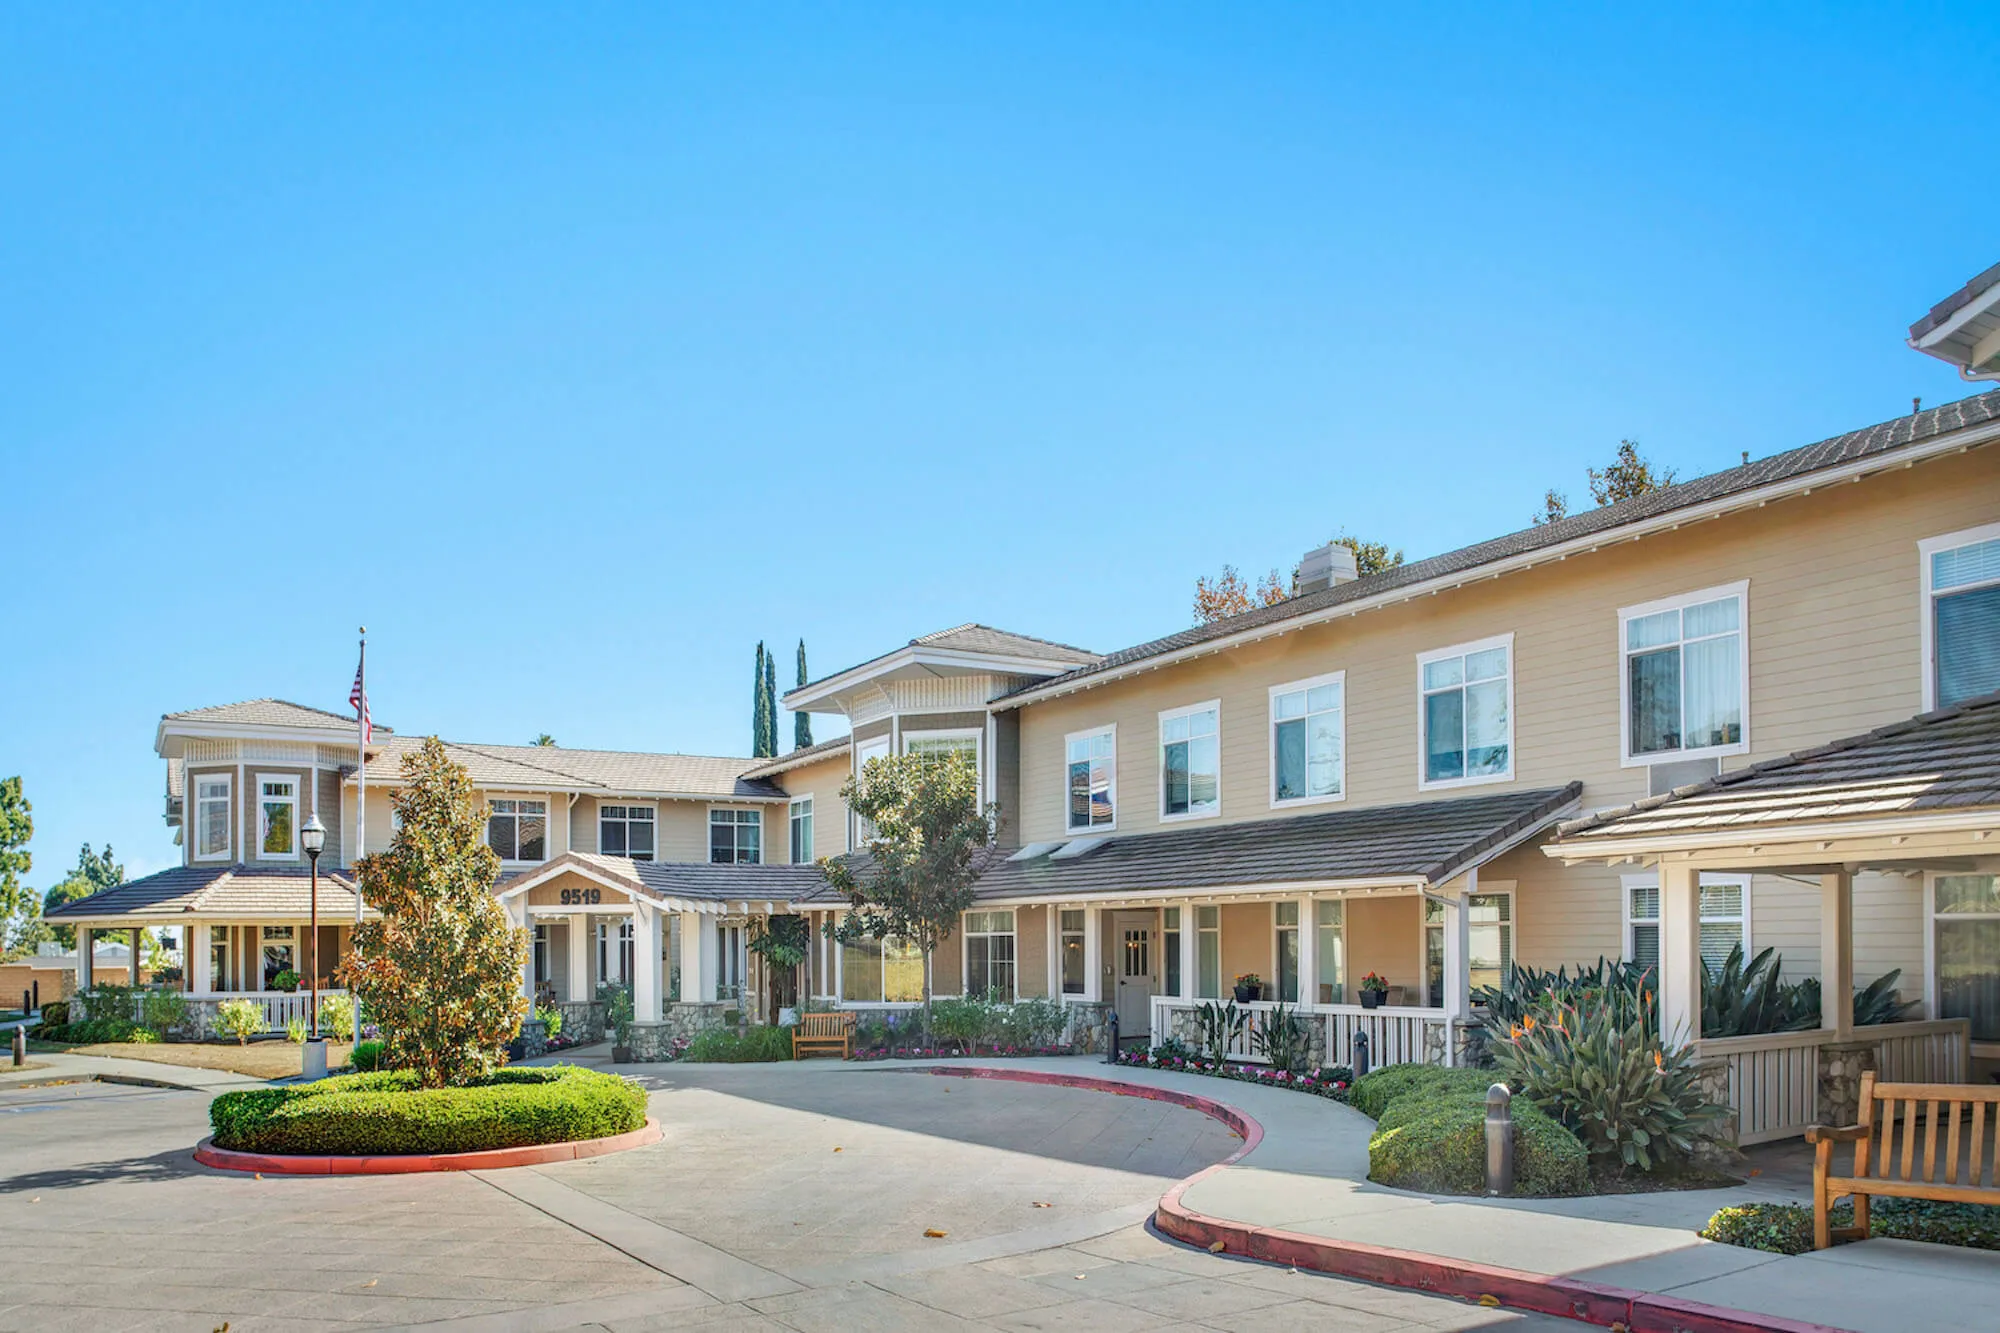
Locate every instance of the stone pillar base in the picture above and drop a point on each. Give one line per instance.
(650, 1042)
(1841, 1065)
(534, 1038)
(1089, 1024)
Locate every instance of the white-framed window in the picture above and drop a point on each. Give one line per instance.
(1961, 615)
(1725, 918)
(281, 952)
(1964, 951)
(626, 830)
(1309, 740)
(989, 954)
(1208, 953)
(1465, 714)
(1170, 950)
(735, 837)
(218, 959)
(1191, 761)
(211, 817)
(1072, 922)
(1489, 942)
(614, 951)
(734, 956)
(1090, 784)
(1684, 677)
(277, 817)
(886, 971)
(864, 829)
(541, 953)
(1330, 950)
(965, 742)
(1285, 950)
(518, 830)
(801, 811)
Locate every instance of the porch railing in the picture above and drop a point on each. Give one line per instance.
(280, 1007)
(1396, 1035)
(1772, 1080)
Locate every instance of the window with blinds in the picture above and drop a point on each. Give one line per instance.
(1725, 913)
(1964, 590)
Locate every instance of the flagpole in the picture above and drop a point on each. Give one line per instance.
(360, 811)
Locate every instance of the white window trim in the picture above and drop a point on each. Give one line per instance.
(1626, 759)
(1425, 783)
(791, 825)
(1984, 1050)
(257, 816)
(1926, 612)
(965, 934)
(629, 805)
(548, 825)
(1627, 883)
(1090, 830)
(708, 828)
(228, 782)
(875, 747)
(1271, 740)
(1160, 758)
(1082, 937)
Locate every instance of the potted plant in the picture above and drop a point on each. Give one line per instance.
(1374, 990)
(1249, 987)
(287, 981)
(618, 1017)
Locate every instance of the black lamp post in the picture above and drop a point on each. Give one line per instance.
(313, 838)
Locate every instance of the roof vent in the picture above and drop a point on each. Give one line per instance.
(1076, 847)
(1326, 566)
(1033, 850)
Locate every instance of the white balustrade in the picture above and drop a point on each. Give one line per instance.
(1396, 1035)
(1772, 1078)
(280, 1007)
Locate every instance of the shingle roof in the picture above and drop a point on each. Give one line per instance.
(686, 879)
(1956, 302)
(552, 768)
(1432, 841)
(1886, 437)
(1938, 761)
(972, 637)
(271, 713)
(810, 754)
(218, 890)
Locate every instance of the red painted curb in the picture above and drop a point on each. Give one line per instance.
(287, 1164)
(1569, 1298)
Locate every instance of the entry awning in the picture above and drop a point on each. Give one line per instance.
(187, 894)
(1419, 845)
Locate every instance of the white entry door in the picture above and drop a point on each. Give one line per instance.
(1137, 968)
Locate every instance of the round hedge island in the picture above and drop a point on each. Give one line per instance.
(384, 1122)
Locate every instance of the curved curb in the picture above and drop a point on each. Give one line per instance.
(291, 1164)
(1569, 1298)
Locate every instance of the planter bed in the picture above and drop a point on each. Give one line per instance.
(952, 1053)
(1331, 1082)
(362, 1117)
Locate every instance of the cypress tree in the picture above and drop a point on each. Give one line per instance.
(770, 704)
(802, 723)
(760, 715)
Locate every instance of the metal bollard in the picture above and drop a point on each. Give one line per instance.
(1499, 1140)
(1111, 1039)
(20, 1045)
(1360, 1054)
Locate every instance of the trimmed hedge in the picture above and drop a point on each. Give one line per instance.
(93, 1030)
(1438, 1145)
(728, 1046)
(387, 1113)
(1787, 1228)
(1371, 1095)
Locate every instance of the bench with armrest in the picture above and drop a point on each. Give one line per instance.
(818, 1033)
(1884, 1169)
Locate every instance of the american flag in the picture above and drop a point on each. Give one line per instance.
(357, 699)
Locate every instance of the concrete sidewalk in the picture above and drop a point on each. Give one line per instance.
(1309, 1175)
(60, 1067)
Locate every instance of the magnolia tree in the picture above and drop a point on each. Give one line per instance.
(916, 880)
(441, 969)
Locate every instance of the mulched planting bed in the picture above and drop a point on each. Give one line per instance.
(1787, 1228)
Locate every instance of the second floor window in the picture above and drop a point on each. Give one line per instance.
(1092, 781)
(211, 818)
(1191, 761)
(802, 830)
(625, 830)
(1962, 615)
(518, 830)
(277, 818)
(1467, 712)
(1308, 734)
(736, 837)
(1685, 675)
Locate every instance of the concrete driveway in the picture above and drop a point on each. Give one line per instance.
(781, 1197)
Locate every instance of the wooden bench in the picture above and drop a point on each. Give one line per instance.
(1880, 1169)
(823, 1032)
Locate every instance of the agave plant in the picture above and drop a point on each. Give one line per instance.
(1218, 1027)
(1285, 1040)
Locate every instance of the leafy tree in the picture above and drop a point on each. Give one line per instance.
(95, 871)
(1369, 557)
(1220, 598)
(440, 970)
(544, 739)
(1627, 476)
(1555, 505)
(802, 724)
(26, 932)
(17, 826)
(761, 724)
(916, 880)
(771, 703)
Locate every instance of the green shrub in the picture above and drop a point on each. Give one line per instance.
(56, 1013)
(617, 1002)
(963, 1020)
(1436, 1142)
(1286, 1041)
(241, 1019)
(387, 1113)
(1218, 1027)
(285, 980)
(367, 1056)
(94, 1030)
(163, 1011)
(1037, 1020)
(1787, 1228)
(1371, 1095)
(1600, 1070)
(106, 999)
(750, 1046)
(552, 1020)
(296, 1031)
(336, 1016)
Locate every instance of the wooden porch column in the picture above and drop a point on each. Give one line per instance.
(1190, 949)
(645, 964)
(697, 983)
(1055, 951)
(132, 963)
(86, 971)
(196, 959)
(1836, 952)
(579, 958)
(1308, 952)
(1093, 953)
(1458, 954)
(1680, 953)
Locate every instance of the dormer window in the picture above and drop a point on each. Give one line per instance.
(277, 817)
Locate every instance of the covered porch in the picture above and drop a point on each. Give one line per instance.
(1920, 800)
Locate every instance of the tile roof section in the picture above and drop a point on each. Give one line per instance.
(552, 768)
(689, 879)
(1956, 302)
(271, 713)
(1884, 438)
(1940, 761)
(218, 890)
(811, 754)
(976, 638)
(1432, 841)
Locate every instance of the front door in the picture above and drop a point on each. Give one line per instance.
(1136, 971)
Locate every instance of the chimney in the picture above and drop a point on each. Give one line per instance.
(1326, 566)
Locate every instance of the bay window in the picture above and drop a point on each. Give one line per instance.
(277, 818)
(989, 955)
(1092, 758)
(518, 830)
(1965, 951)
(625, 830)
(735, 837)
(1465, 713)
(1685, 676)
(1961, 580)
(1191, 761)
(1308, 740)
(211, 818)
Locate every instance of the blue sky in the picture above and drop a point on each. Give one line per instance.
(575, 349)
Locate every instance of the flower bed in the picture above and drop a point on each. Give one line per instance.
(387, 1114)
(1331, 1082)
(1787, 1228)
(956, 1053)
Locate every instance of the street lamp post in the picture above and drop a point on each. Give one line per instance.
(312, 836)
